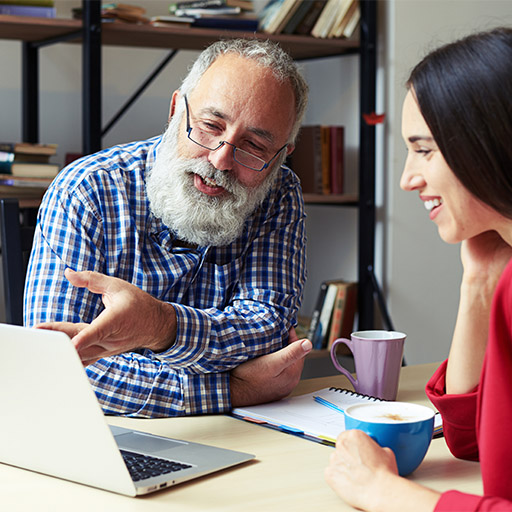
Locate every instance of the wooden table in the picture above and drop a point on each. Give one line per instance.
(287, 474)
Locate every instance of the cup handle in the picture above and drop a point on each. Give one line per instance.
(336, 363)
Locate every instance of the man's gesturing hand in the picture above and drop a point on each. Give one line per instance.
(131, 319)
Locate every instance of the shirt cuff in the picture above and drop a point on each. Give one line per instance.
(192, 328)
(455, 500)
(211, 393)
(457, 410)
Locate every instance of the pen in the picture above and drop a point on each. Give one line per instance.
(325, 402)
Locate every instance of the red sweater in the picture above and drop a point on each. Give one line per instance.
(478, 425)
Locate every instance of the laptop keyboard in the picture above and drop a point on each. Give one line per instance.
(145, 466)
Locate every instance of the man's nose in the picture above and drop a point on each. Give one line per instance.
(223, 157)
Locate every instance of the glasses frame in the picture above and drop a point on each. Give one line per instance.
(235, 149)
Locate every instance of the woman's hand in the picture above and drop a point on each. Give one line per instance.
(366, 476)
(360, 469)
(484, 257)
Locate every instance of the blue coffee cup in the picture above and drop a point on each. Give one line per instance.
(404, 427)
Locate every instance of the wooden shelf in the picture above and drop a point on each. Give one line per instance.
(333, 199)
(28, 29)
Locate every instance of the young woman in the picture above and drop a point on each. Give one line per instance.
(457, 125)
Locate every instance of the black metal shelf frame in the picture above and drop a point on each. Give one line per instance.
(92, 132)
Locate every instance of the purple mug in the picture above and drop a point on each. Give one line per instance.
(377, 359)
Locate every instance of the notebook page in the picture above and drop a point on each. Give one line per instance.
(303, 414)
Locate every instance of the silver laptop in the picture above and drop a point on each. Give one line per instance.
(52, 423)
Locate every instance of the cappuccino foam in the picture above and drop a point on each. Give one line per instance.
(390, 412)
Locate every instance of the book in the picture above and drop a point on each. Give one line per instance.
(303, 415)
(21, 181)
(326, 19)
(211, 11)
(344, 309)
(169, 20)
(325, 133)
(282, 16)
(246, 5)
(31, 169)
(268, 12)
(322, 314)
(352, 23)
(351, 15)
(337, 159)
(195, 4)
(319, 341)
(28, 148)
(37, 11)
(297, 16)
(315, 318)
(41, 3)
(342, 13)
(27, 159)
(246, 23)
(306, 159)
(308, 22)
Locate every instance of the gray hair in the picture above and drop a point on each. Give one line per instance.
(266, 53)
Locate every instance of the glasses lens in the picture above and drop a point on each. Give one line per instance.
(213, 143)
(203, 139)
(251, 161)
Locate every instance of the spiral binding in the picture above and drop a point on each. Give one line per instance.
(354, 393)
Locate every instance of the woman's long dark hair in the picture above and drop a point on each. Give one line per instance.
(464, 92)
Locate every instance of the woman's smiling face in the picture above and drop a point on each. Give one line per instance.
(458, 214)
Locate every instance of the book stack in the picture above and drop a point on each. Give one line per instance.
(318, 159)
(26, 170)
(334, 313)
(113, 12)
(319, 18)
(24, 162)
(35, 8)
(218, 14)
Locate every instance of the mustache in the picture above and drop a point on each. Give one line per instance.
(224, 179)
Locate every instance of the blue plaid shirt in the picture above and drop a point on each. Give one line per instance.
(232, 303)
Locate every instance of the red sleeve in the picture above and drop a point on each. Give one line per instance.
(455, 500)
(458, 413)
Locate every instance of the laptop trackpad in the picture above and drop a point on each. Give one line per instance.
(146, 443)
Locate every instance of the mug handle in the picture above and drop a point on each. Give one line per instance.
(336, 362)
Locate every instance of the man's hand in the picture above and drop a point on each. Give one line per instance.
(132, 319)
(269, 377)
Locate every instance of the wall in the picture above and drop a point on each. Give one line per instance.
(423, 273)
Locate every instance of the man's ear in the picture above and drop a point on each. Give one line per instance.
(289, 149)
(174, 99)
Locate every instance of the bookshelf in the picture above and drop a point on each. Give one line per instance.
(36, 33)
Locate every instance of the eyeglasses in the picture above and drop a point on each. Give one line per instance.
(209, 141)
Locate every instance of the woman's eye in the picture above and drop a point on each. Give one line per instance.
(423, 152)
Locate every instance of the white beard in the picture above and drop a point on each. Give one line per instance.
(192, 215)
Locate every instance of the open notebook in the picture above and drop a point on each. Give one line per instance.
(303, 415)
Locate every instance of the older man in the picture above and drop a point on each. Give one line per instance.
(196, 242)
